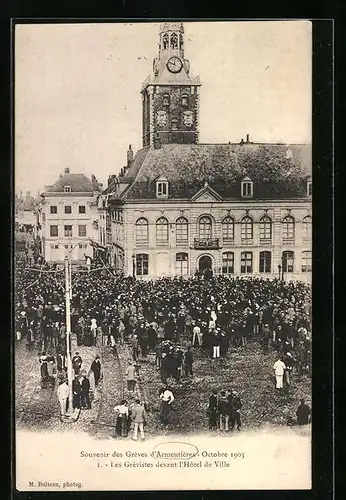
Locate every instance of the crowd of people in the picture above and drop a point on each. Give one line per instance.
(169, 317)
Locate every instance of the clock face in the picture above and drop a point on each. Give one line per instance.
(174, 64)
(161, 118)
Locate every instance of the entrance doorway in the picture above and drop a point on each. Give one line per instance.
(205, 263)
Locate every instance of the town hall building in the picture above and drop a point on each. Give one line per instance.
(179, 206)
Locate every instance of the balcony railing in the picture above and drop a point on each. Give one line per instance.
(203, 244)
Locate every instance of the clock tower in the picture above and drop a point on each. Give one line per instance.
(170, 94)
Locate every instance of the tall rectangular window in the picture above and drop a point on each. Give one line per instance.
(306, 261)
(53, 231)
(288, 261)
(228, 263)
(53, 209)
(68, 209)
(68, 231)
(82, 230)
(182, 264)
(142, 264)
(246, 263)
(81, 209)
(265, 262)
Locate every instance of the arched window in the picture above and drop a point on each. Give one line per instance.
(165, 41)
(174, 41)
(162, 231)
(182, 264)
(184, 100)
(142, 264)
(307, 227)
(165, 100)
(142, 231)
(265, 228)
(288, 261)
(246, 262)
(265, 262)
(228, 230)
(205, 228)
(246, 228)
(228, 263)
(288, 228)
(181, 231)
(306, 261)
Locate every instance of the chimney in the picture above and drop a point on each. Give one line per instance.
(247, 138)
(129, 156)
(67, 171)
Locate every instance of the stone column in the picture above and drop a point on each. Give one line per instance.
(276, 240)
(151, 114)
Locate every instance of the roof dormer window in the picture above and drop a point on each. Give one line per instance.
(246, 188)
(309, 188)
(162, 188)
(67, 189)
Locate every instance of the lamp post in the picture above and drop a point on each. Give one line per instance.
(68, 290)
(279, 268)
(282, 268)
(133, 264)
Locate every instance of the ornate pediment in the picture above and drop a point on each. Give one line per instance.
(206, 194)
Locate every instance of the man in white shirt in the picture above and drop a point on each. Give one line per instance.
(130, 377)
(122, 414)
(196, 335)
(279, 370)
(167, 398)
(63, 393)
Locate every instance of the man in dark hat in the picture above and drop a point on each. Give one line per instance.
(303, 413)
(236, 406)
(213, 410)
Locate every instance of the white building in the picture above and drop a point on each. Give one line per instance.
(181, 207)
(68, 217)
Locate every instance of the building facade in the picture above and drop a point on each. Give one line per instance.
(68, 217)
(239, 209)
(26, 211)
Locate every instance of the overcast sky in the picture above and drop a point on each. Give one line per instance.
(77, 90)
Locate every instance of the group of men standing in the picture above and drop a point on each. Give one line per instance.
(224, 410)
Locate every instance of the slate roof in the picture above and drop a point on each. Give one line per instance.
(79, 183)
(277, 170)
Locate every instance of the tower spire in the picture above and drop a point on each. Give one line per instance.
(170, 95)
(171, 40)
